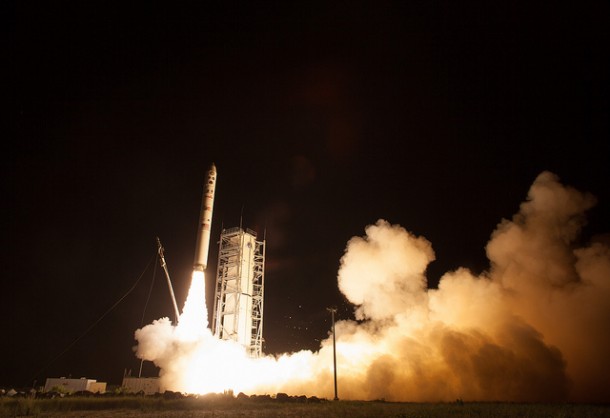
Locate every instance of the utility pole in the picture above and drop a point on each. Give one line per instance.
(333, 311)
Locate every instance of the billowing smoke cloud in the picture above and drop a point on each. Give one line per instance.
(534, 327)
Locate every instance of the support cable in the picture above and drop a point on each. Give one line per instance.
(152, 283)
(95, 322)
(169, 282)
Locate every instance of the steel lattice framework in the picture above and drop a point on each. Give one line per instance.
(240, 277)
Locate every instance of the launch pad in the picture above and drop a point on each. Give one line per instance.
(238, 300)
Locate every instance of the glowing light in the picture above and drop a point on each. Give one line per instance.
(529, 329)
(193, 322)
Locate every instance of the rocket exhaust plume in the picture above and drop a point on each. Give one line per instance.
(534, 327)
(205, 221)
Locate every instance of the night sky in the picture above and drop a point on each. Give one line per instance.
(321, 119)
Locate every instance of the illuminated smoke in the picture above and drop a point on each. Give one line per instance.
(532, 328)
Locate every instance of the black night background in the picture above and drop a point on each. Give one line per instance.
(320, 118)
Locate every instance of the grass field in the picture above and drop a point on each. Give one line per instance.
(222, 407)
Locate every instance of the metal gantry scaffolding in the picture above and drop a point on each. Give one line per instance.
(240, 279)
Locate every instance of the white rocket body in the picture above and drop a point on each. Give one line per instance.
(205, 221)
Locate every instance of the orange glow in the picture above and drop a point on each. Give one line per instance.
(532, 328)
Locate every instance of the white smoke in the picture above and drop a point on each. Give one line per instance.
(532, 328)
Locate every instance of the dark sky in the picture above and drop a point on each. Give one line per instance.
(321, 119)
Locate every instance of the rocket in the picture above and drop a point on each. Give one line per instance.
(205, 221)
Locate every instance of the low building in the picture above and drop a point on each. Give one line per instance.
(147, 385)
(74, 385)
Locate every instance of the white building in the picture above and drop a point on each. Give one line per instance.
(148, 385)
(75, 385)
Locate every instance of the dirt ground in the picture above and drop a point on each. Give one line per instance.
(327, 409)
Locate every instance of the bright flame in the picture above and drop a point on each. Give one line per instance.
(193, 323)
(532, 328)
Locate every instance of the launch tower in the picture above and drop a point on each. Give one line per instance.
(238, 303)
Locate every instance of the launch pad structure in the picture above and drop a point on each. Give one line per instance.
(240, 277)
